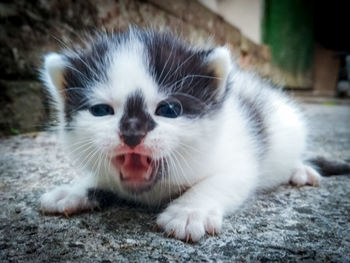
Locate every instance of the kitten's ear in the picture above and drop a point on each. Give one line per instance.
(53, 74)
(219, 60)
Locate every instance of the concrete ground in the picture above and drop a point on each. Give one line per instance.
(308, 224)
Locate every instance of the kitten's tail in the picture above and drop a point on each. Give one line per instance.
(330, 168)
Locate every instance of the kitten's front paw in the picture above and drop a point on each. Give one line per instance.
(66, 200)
(188, 223)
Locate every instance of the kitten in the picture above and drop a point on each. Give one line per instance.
(150, 118)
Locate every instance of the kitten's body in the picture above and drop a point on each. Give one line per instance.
(235, 133)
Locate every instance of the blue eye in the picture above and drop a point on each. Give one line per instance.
(169, 109)
(101, 110)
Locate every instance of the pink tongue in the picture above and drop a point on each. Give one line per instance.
(136, 167)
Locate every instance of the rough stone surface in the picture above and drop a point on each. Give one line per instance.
(285, 225)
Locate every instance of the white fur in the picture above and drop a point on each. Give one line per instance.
(212, 161)
(220, 61)
(52, 76)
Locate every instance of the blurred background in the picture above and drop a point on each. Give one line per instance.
(302, 45)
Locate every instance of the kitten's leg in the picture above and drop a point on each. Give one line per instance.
(200, 210)
(305, 175)
(69, 199)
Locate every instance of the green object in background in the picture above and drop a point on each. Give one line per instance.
(14, 131)
(288, 31)
(329, 103)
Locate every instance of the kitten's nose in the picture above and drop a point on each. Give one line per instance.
(132, 140)
(132, 132)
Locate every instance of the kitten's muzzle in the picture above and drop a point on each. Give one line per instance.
(136, 167)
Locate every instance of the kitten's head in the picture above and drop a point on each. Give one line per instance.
(132, 106)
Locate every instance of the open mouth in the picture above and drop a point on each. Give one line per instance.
(137, 171)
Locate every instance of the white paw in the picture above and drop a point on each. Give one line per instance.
(305, 175)
(66, 200)
(189, 224)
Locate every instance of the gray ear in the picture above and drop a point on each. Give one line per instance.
(54, 65)
(219, 60)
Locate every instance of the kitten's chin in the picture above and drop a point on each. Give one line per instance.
(136, 170)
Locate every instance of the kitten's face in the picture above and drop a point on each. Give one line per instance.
(134, 104)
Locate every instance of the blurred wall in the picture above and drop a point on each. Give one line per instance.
(326, 69)
(246, 15)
